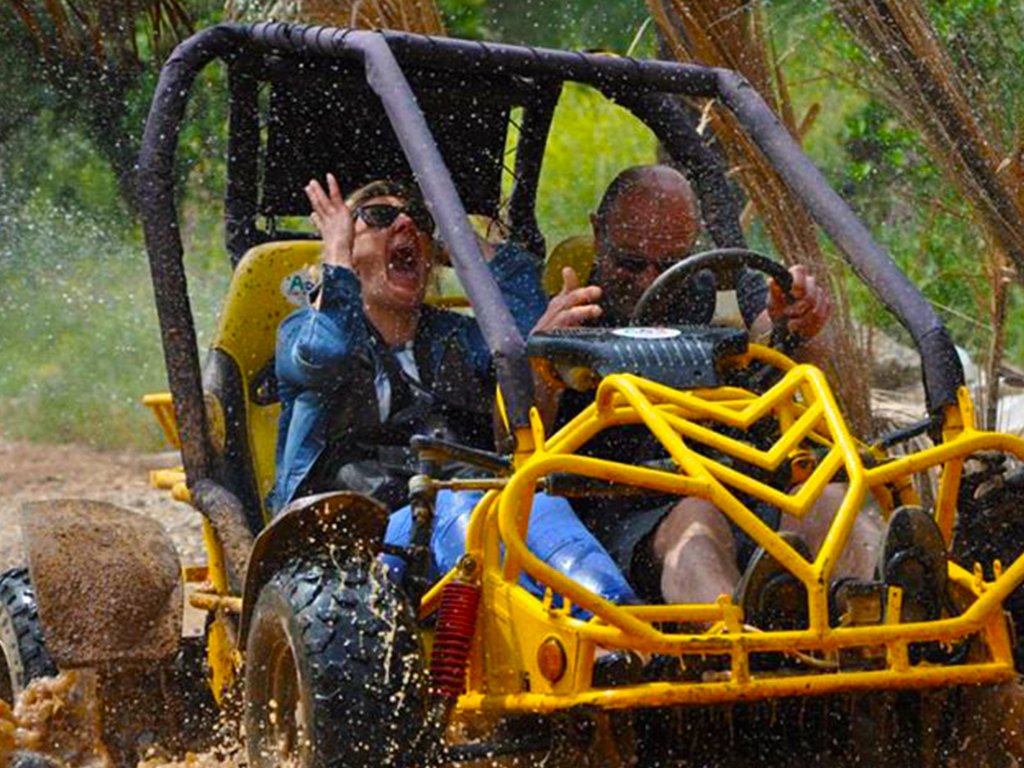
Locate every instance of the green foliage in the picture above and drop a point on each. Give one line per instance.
(466, 18)
(587, 24)
(950, 18)
(889, 178)
(591, 141)
(19, 64)
(56, 165)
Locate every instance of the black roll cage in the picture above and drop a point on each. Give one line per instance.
(644, 87)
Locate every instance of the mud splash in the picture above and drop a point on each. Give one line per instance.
(202, 760)
(58, 717)
(57, 722)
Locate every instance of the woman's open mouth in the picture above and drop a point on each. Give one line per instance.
(405, 265)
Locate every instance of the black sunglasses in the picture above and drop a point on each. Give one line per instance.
(636, 264)
(383, 215)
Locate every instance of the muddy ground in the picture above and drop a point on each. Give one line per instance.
(31, 472)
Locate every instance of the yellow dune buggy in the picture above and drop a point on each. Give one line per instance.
(335, 664)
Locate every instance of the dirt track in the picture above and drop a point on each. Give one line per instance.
(32, 472)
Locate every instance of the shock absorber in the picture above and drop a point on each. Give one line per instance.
(453, 639)
(421, 501)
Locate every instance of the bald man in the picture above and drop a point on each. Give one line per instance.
(685, 551)
(648, 220)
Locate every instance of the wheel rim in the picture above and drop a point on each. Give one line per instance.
(287, 726)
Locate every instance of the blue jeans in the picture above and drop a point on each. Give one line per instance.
(555, 535)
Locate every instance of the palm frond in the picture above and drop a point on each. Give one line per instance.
(933, 93)
(732, 34)
(101, 34)
(939, 93)
(420, 16)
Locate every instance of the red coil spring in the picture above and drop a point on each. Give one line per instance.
(456, 623)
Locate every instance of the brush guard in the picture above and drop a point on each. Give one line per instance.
(807, 413)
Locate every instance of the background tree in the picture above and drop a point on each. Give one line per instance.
(967, 124)
(732, 33)
(93, 62)
(89, 55)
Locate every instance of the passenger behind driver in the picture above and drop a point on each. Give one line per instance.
(369, 365)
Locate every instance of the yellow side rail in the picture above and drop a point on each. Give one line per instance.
(162, 406)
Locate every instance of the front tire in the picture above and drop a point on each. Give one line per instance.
(334, 673)
(23, 654)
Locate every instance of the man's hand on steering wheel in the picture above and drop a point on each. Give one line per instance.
(808, 308)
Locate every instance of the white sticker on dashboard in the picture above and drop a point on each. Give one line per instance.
(647, 333)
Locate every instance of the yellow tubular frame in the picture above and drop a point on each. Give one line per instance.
(515, 624)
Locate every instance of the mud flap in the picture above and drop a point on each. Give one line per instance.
(107, 581)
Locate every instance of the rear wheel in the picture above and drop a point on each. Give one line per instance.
(23, 654)
(334, 675)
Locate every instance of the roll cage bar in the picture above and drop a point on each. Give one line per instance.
(644, 87)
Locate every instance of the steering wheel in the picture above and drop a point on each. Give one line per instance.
(659, 303)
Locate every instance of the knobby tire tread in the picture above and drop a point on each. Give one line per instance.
(364, 660)
(18, 603)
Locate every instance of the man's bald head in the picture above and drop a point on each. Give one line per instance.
(663, 188)
(647, 220)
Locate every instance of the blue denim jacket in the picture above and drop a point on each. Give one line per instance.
(317, 350)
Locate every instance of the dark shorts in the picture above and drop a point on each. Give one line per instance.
(629, 539)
